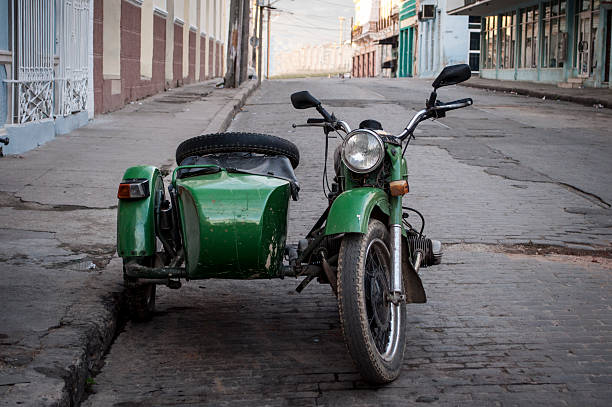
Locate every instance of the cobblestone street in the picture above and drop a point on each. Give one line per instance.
(505, 324)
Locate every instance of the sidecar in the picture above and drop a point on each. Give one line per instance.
(224, 214)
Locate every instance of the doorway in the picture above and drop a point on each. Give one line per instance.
(608, 49)
(584, 44)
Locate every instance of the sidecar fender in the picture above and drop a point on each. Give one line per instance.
(351, 210)
(136, 218)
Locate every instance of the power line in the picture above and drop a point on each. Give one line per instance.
(307, 27)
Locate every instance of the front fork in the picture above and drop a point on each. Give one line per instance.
(395, 228)
(396, 296)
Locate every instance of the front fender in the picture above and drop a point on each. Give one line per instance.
(351, 210)
(136, 218)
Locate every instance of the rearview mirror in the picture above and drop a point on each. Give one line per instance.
(452, 75)
(304, 100)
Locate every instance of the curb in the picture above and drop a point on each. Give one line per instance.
(228, 112)
(583, 100)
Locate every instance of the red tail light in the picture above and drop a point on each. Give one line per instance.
(133, 189)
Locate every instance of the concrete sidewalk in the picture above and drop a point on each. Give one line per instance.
(584, 96)
(60, 279)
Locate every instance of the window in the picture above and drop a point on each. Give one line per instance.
(474, 22)
(507, 40)
(554, 34)
(489, 42)
(474, 49)
(529, 36)
(474, 41)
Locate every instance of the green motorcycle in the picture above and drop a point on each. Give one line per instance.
(224, 215)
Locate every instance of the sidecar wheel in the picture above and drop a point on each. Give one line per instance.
(237, 142)
(373, 327)
(140, 302)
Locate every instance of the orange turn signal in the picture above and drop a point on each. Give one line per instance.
(399, 188)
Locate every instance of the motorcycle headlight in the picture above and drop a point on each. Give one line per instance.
(362, 151)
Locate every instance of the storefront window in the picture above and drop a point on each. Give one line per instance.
(529, 37)
(490, 42)
(554, 34)
(507, 40)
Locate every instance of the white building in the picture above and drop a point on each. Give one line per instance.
(442, 40)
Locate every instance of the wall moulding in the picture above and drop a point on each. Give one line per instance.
(160, 12)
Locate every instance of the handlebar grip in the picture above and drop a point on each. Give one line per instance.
(469, 102)
(315, 121)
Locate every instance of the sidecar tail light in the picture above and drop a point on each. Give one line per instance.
(133, 189)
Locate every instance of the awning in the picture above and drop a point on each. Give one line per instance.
(389, 41)
(483, 7)
(389, 64)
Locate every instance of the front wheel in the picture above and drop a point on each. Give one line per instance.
(373, 327)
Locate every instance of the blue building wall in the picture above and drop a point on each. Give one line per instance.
(4, 25)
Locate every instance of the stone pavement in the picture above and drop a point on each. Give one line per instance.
(497, 330)
(60, 282)
(505, 324)
(585, 96)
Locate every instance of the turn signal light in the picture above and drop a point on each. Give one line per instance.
(398, 188)
(133, 189)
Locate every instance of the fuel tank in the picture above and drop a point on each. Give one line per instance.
(234, 224)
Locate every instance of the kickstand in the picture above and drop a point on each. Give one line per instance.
(304, 283)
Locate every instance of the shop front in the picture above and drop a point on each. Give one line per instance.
(565, 42)
(407, 39)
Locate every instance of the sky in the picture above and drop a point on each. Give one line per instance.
(297, 23)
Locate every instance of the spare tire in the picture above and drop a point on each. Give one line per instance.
(237, 142)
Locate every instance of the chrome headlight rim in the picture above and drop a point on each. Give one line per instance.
(380, 159)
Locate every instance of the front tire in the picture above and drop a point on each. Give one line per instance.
(373, 327)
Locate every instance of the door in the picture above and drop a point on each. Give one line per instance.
(608, 48)
(73, 33)
(410, 61)
(584, 44)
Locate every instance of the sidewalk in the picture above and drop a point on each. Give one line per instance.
(60, 279)
(584, 96)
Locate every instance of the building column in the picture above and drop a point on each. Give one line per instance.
(198, 41)
(207, 13)
(170, 41)
(90, 64)
(111, 46)
(146, 39)
(186, 29)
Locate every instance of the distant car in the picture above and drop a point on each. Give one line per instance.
(252, 74)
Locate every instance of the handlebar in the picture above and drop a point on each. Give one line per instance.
(435, 111)
(314, 121)
(329, 126)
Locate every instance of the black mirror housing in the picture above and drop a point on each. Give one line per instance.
(452, 75)
(304, 100)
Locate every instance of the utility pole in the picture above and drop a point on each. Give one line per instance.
(254, 37)
(268, 51)
(341, 29)
(237, 56)
(244, 48)
(260, 44)
(233, 44)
